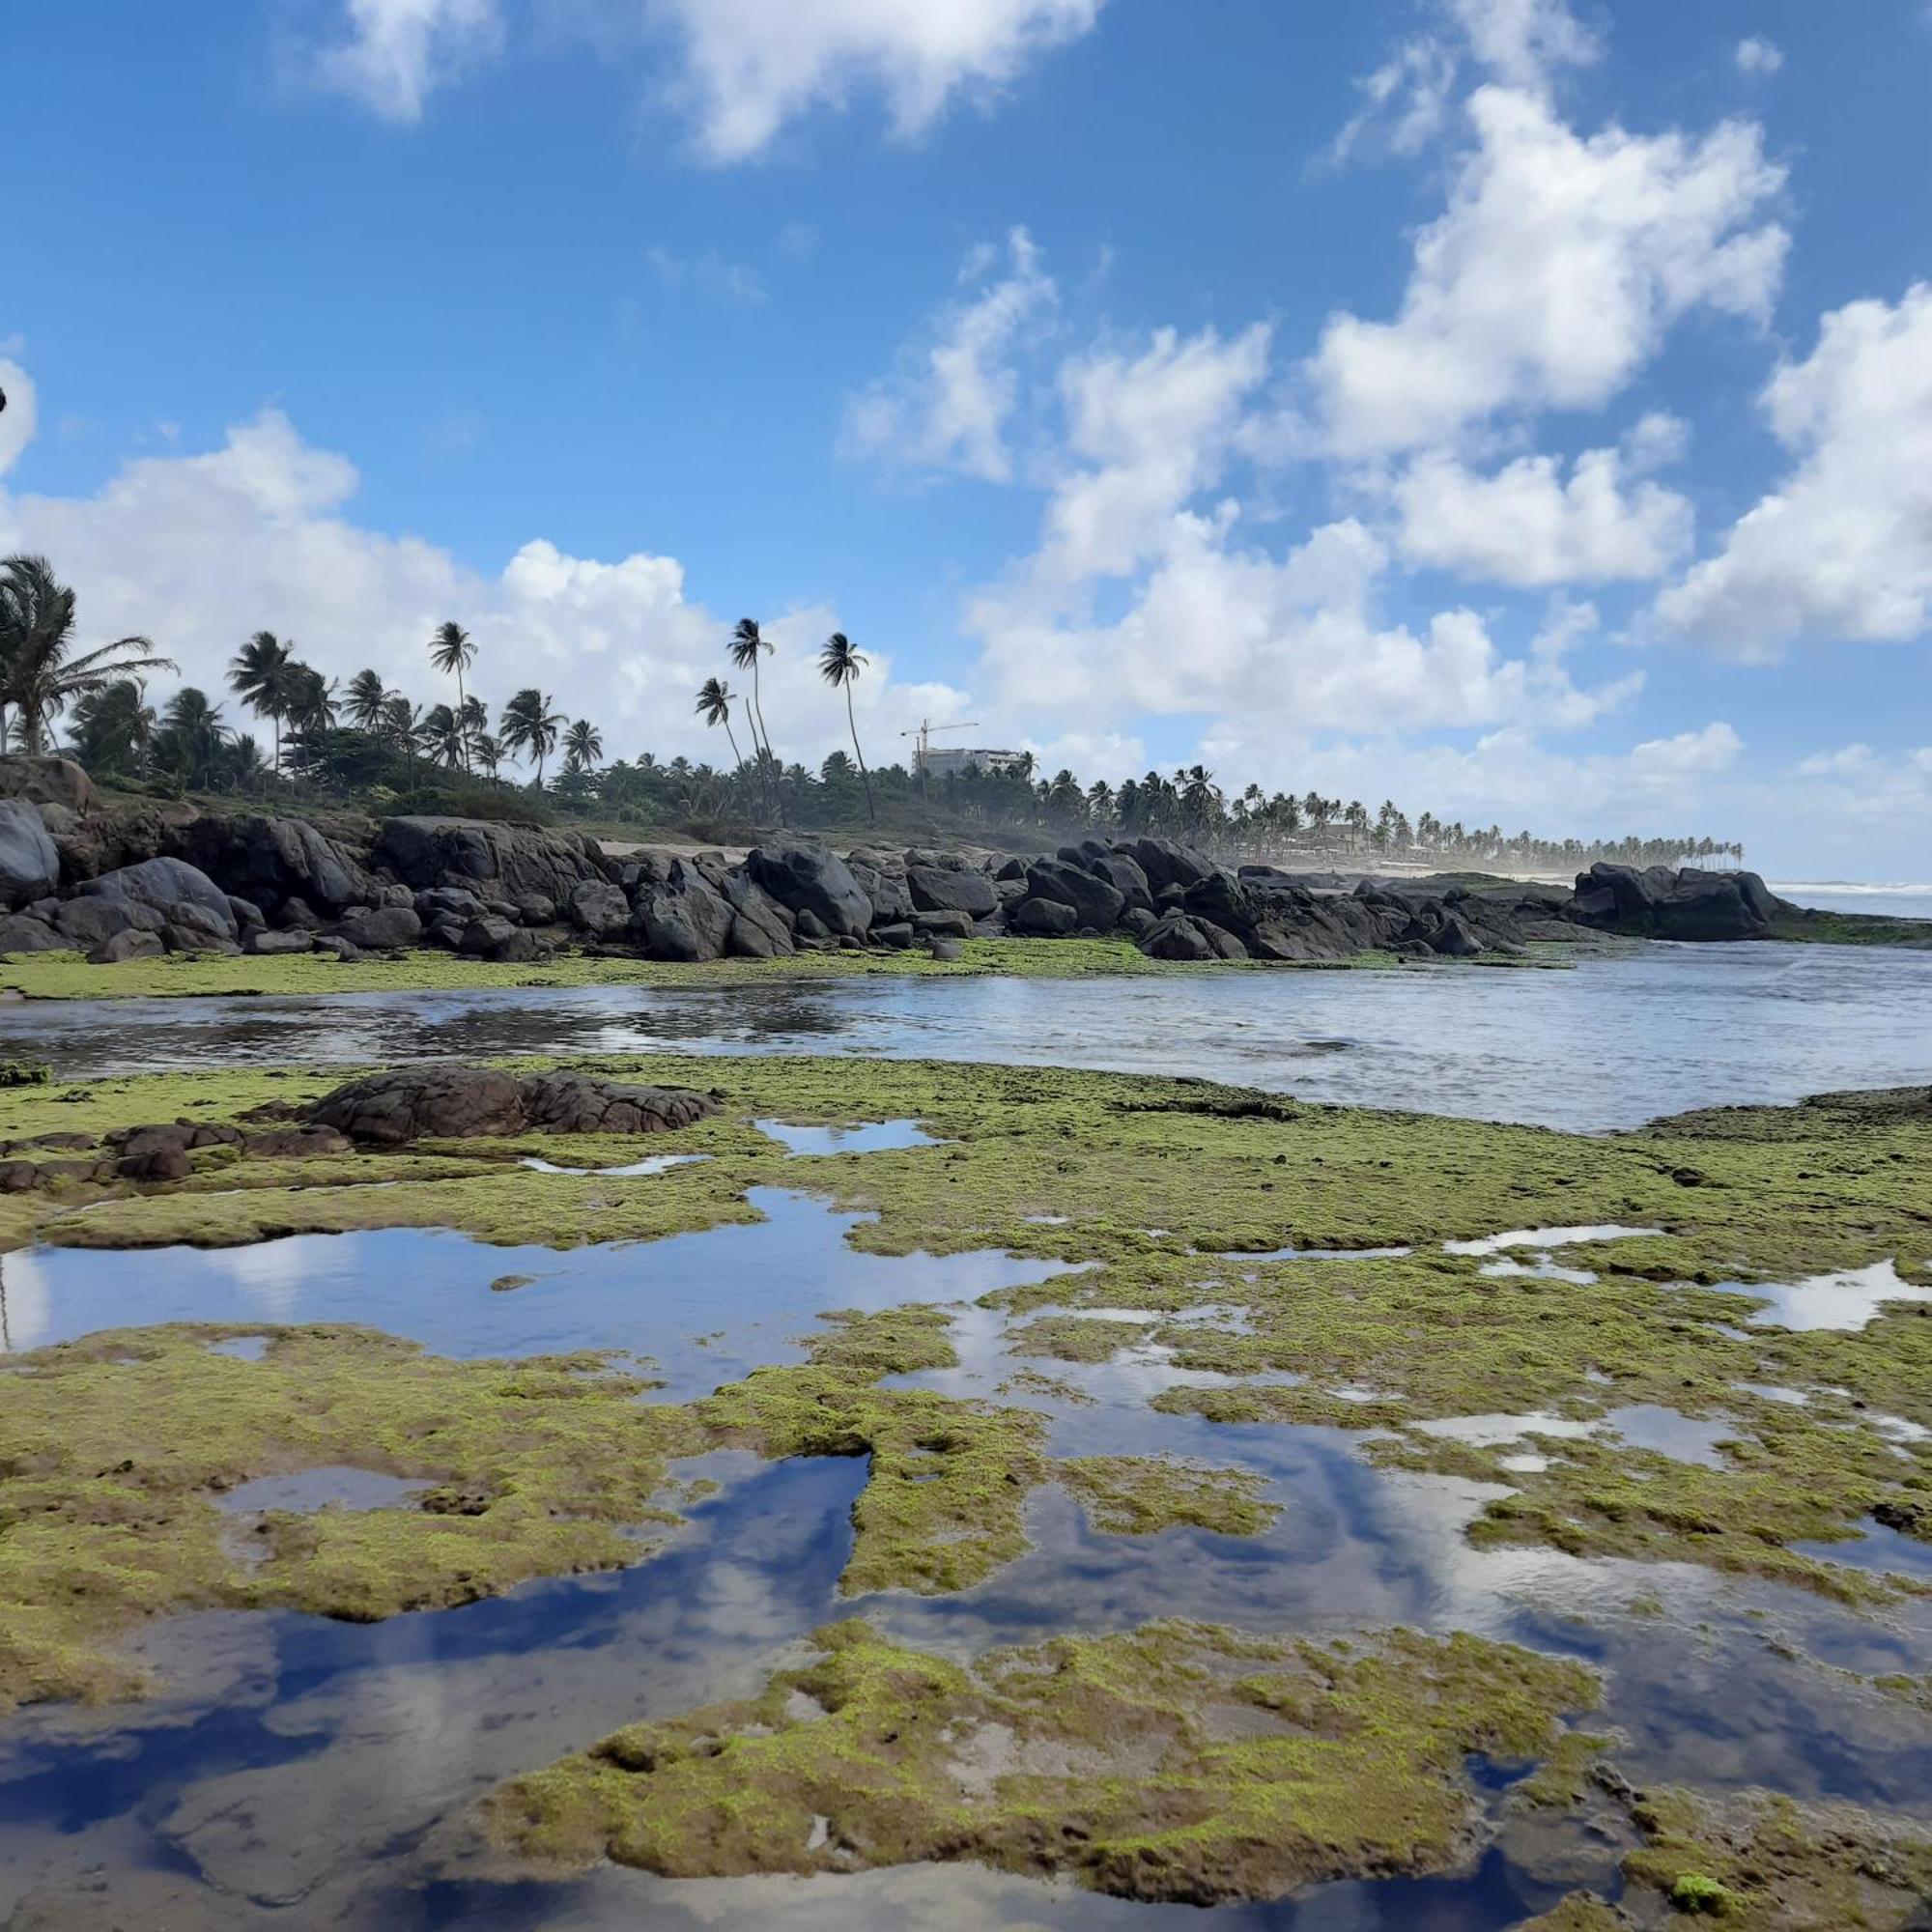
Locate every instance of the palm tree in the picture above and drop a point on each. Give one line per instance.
(401, 729)
(443, 737)
(840, 665)
(366, 701)
(264, 675)
(489, 753)
(583, 746)
(748, 646)
(190, 740)
(714, 706)
(531, 726)
(38, 678)
(112, 728)
(454, 649)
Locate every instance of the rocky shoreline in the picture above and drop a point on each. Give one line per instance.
(137, 883)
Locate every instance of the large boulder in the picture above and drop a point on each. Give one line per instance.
(268, 860)
(1043, 919)
(813, 879)
(493, 860)
(377, 928)
(165, 885)
(950, 889)
(598, 908)
(881, 875)
(29, 860)
(468, 1102)
(1125, 874)
(1175, 936)
(1094, 900)
(85, 923)
(685, 918)
(761, 928)
(1659, 904)
(18, 933)
(46, 781)
(1168, 862)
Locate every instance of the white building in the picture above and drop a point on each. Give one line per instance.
(938, 762)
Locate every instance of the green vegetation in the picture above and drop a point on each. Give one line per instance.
(1138, 1495)
(113, 1449)
(1179, 1761)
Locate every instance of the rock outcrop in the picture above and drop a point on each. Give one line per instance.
(454, 1103)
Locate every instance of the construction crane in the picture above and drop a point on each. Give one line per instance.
(924, 733)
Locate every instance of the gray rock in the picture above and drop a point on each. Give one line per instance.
(761, 928)
(813, 878)
(485, 934)
(166, 885)
(1168, 862)
(20, 934)
(46, 781)
(597, 908)
(265, 945)
(1045, 918)
(381, 928)
(897, 935)
(536, 909)
(464, 1102)
(86, 922)
(127, 945)
(937, 888)
(945, 949)
(29, 858)
(1095, 901)
(955, 925)
(452, 903)
(496, 861)
(1175, 936)
(684, 917)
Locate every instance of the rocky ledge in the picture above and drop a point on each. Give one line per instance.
(138, 882)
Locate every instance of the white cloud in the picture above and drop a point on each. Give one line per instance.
(751, 66)
(1405, 102)
(1842, 548)
(393, 54)
(1550, 277)
(200, 550)
(1714, 749)
(18, 419)
(1523, 41)
(948, 403)
(709, 273)
(1756, 55)
(1527, 524)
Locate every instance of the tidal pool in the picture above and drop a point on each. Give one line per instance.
(1609, 1042)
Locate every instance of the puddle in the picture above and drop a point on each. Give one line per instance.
(1878, 1547)
(658, 1163)
(1848, 1299)
(1490, 1431)
(1305, 1254)
(241, 1348)
(332, 1486)
(1546, 1238)
(872, 1137)
(1684, 1438)
(1773, 1392)
(1543, 1268)
(748, 1290)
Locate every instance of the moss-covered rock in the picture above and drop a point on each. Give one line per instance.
(1179, 1761)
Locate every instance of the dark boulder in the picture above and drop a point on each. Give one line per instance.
(1452, 940)
(493, 860)
(29, 862)
(451, 902)
(684, 917)
(813, 879)
(381, 928)
(84, 923)
(1124, 874)
(129, 945)
(19, 934)
(166, 885)
(949, 889)
(1094, 900)
(1175, 936)
(899, 935)
(955, 925)
(469, 1102)
(268, 945)
(881, 875)
(597, 908)
(761, 928)
(945, 949)
(1168, 862)
(1043, 919)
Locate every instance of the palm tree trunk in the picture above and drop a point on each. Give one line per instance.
(871, 811)
(770, 765)
(462, 734)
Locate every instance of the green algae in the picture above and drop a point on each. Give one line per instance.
(66, 975)
(1139, 1495)
(1763, 1863)
(113, 1449)
(1071, 1338)
(1580, 1912)
(1179, 1761)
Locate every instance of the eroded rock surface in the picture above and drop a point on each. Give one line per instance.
(471, 1102)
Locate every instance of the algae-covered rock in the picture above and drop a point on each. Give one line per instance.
(470, 1102)
(1181, 1761)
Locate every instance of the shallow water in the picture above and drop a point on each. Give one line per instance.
(1609, 1042)
(308, 1773)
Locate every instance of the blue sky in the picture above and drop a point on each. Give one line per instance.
(1522, 411)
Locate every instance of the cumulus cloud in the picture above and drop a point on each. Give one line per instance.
(948, 402)
(199, 551)
(751, 66)
(1523, 43)
(1552, 274)
(1530, 525)
(1842, 548)
(392, 54)
(1755, 55)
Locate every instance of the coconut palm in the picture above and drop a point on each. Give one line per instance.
(530, 727)
(749, 645)
(189, 744)
(839, 665)
(443, 737)
(366, 699)
(454, 650)
(38, 678)
(400, 729)
(487, 751)
(112, 728)
(583, 746)
(265, 676)
(714, 706)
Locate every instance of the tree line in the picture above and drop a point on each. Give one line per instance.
(365, 739)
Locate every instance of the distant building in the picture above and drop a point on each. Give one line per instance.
(938, 762)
